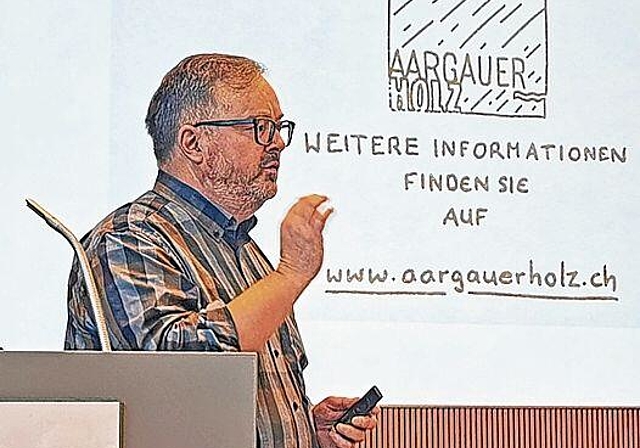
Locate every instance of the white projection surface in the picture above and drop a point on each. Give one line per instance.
(480, 156)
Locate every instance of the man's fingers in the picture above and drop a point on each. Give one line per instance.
(314, 209)
(312, 200)
(320, 216)
(350, 432)
(341, 435)
(365, 422)
(306, 206)
(339, 404)
(340, 441)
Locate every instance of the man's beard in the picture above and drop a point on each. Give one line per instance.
(245, 190)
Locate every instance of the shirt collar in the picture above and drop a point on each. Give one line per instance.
(234, 233)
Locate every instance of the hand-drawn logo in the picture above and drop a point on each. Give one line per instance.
(482, 57)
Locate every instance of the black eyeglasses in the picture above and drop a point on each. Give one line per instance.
(264, 129)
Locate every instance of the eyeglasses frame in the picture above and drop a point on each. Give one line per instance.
(277, 125)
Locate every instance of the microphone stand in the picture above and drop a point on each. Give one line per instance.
(94, 298)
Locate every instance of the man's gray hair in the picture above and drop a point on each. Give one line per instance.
(193, 88)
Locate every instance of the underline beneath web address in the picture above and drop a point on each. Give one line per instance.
(364, 292)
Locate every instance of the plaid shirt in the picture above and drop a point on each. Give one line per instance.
(168, 265)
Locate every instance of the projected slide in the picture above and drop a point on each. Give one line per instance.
(477, 174)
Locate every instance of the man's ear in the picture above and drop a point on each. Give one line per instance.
(187, 140)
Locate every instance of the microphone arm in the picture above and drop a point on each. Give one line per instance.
(94, 298)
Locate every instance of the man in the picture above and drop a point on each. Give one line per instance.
(177, 267)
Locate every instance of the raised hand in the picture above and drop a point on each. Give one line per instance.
(301, 242)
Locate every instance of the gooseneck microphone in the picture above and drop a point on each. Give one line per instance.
(94, 298)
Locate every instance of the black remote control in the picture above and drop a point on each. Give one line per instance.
(363, 406)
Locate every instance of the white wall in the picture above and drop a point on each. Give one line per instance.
(85, 73)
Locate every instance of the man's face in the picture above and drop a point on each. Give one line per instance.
(237, 168)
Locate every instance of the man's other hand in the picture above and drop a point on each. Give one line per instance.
(330, 435)
(301, 244)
